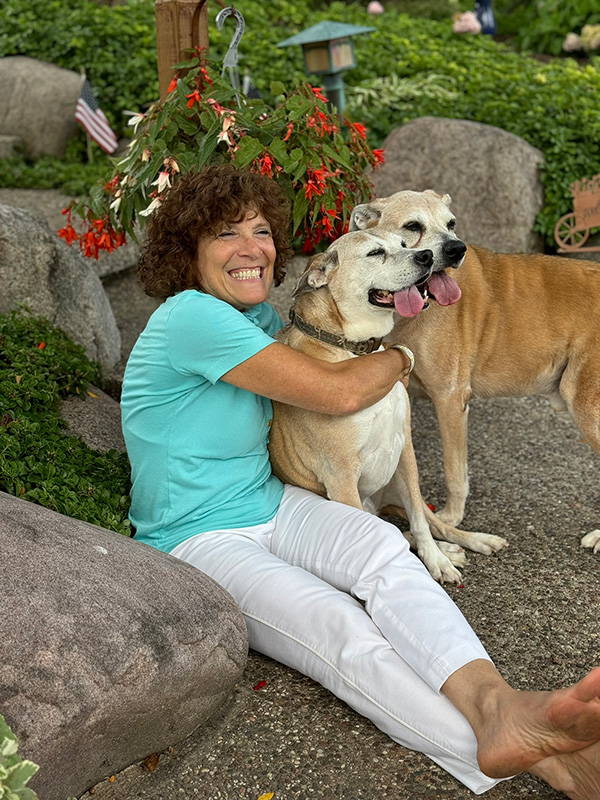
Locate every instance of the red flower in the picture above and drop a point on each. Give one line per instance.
(111, 186)
(289, 132)
(266, 166)
(316, 90)
(379, 157)
(68, 233)
(193, 98)
(358, 130)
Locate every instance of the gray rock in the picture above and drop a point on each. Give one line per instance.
(38, 102)
(492, 176)
(50, 203)
(109, 650)
(95, 418)
(55, 281)
(8, 145)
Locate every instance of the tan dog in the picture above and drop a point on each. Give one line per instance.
(525, 325)
(365, 459)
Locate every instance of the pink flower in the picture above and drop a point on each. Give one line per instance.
(466, 23)
(163, 181)
(375, 7)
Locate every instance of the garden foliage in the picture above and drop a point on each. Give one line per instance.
(39, 366)
(298, 144)
(15, 772)
(408, 67)
(542, 26)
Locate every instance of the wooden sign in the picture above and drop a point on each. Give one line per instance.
(572, 231)
(180, 26)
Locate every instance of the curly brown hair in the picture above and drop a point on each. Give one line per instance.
(197, 206)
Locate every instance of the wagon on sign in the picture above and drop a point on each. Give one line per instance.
(572, 231)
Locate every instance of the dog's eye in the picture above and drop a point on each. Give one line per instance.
(452, 225)
(413, 226)
(378, 252)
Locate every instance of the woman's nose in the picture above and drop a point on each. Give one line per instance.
(249, 245)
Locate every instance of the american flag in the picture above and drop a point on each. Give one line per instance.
(91, 116)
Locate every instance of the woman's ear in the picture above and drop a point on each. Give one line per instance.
(316, 273)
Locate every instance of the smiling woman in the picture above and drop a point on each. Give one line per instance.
(325, 588)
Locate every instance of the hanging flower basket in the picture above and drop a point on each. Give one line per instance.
(318, 158)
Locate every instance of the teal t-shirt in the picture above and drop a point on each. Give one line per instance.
(197, 445)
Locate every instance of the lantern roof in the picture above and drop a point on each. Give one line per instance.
(324, 31)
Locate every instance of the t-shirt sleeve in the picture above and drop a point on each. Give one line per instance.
(208, 337)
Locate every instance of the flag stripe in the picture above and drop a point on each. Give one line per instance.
(99, 131)
(90, 115)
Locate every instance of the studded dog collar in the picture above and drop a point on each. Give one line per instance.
(358, 348)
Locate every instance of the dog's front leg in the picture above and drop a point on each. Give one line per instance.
(404, 489)
(452, 412)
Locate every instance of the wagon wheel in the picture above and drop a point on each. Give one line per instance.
(567, 234)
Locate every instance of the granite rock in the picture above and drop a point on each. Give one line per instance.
(109, 650)
(491, 175)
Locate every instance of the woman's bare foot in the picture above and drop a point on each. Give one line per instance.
(516, 730)
(575, 774)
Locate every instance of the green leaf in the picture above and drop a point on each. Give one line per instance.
(277, 88)
(20, 774)
(249, 149)
(278, 150)
(299, 212)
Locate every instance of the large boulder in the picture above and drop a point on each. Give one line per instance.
(109, 650)
(38, 102)
(50, 203)
(57, 282)
(491, 175)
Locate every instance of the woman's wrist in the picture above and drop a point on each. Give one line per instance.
(408, 354)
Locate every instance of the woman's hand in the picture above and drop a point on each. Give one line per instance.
(342, 387)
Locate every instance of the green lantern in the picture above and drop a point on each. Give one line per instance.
(328, 51)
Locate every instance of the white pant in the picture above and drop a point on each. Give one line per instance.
(336, 594)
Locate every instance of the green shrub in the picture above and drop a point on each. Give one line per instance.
(71, 174)
(15, 772)
(419, 63)
(39, 366)
(541, 26)
(115, 45)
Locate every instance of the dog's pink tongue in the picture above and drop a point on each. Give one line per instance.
(444, 288)
(408, 302)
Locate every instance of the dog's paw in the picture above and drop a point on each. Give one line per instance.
(454, 553)
(486, 543)
(440, 567)
(592, 541)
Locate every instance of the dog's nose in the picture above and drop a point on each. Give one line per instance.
(424, 258)
(454, 250)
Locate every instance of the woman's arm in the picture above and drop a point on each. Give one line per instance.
(282, 373)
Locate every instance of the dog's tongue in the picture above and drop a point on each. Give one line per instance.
(408, 302)
(444, 288)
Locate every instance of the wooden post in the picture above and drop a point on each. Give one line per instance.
(180, 25)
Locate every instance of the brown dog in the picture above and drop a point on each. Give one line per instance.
(366, 459)
(525, 325)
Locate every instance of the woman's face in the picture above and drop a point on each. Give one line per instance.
(237, 265)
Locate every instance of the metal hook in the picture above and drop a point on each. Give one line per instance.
(230, 61)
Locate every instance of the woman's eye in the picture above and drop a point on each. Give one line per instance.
(264, 232)
(225, 234)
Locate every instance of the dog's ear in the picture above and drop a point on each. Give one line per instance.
(446, 199)
(364, 216)
(316, 273)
